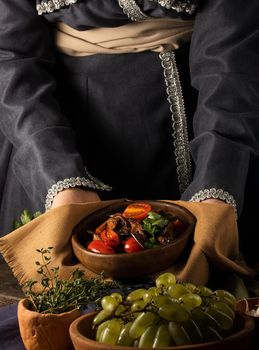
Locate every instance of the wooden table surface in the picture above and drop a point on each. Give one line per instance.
(10, 291)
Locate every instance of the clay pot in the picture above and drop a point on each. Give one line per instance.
(45, 331)
(250, 304)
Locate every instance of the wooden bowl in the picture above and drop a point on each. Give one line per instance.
(123, 265)
(82, 336)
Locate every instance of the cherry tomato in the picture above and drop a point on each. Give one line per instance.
(137, 211)
(132, 246)
(110, 237)
(98, 246)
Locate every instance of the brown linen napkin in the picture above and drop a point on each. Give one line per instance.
(215, 241)
(155, 34)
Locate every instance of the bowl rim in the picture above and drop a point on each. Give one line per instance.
(187, 232)
(249, 326)
(248, 299)
(241, 303)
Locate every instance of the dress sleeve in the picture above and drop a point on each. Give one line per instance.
(168, 8)
(30, 118)
(84, 14)
(224, 69)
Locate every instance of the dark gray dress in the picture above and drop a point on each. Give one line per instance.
(111, 114)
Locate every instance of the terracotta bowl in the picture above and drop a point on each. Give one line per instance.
(252, 304)
(82, 336)
(123, 265)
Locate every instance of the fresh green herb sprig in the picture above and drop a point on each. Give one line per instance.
(25, 217)
(58, 295)
(154, 224)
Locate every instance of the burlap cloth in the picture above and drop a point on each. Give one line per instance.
(215, 242)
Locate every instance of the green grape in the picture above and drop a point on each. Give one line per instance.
(162, 337)
(124, 338)
(117, 296)
(165, 280)
(136, 294)
(103, 315)
(225, 322)
(210, 334)
(224, 293)
(160, 300)
(150, 293)
(138, 305)
(226, 298)
(111, 332)
(177, 290)
(100, 329)
(221, 306)
(142, 322)
(133, 315)
(202, 319)
(209, 299)
(120, 310)
(178, 334)
(191, 300)
(190, 286)
(193, 331)
(228, 301)
(147, 337)
(109, 303)
(153, 290)
(174, 312)
(203, 291)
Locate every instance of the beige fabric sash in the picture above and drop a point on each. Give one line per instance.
(215, 242)
(150, 35)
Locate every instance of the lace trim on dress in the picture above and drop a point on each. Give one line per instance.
(180, 134)
(52, 5)
(91, 183)
(132, 10)
(215, 194)
(187, 6)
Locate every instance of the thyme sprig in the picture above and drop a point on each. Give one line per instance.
(60, 295)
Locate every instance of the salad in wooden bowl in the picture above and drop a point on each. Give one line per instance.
(134, 238)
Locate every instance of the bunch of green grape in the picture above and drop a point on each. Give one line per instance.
(168, 314)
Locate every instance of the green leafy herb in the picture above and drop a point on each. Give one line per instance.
(154, 224)
(25, 217)
(58, 295)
